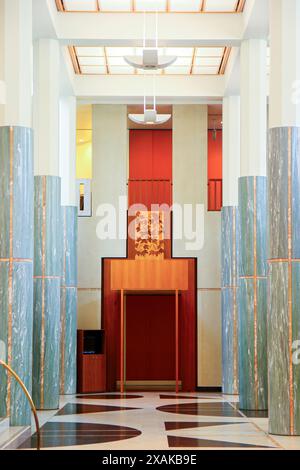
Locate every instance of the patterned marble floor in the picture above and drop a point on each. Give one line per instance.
(155, 421)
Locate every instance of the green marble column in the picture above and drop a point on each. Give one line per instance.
(68, 301)
(230, 255)
(47, 280)
(16, 268)
(284, 280)
(252, 293)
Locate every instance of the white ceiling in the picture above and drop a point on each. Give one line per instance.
(102, 40)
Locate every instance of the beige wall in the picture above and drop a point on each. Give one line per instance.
(190, 187)
(110, 154)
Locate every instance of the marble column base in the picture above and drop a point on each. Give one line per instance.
(230, 255)
(252, 293)
(16, 269)
(284, 281)
(47, 280)
(69, 302)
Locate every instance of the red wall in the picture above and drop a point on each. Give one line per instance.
(214, 167)
(150, 159)
(214, 170)
(150, 154)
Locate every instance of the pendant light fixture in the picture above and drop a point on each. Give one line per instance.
(150, 116)
(150, 58)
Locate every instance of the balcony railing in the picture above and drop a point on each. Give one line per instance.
(149, 191)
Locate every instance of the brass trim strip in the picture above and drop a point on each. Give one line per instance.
(60, 6)
(89, 289)
(28, 396)
(290, 285)
(212, 289)
(283, 260)
(224, 61)
(106, 61)
(193, 60)
(46, 277)
(254, 277)
(74, 59)
(16, 260)
(240, 6)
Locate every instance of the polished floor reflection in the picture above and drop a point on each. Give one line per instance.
(152, 421)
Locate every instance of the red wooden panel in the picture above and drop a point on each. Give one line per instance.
(162, 154)
(214, 170)
(150, 342)
(92, 374)
(215, 195)
(187, 331)
(150, 154)
(140, 151)
(150, 163)
(214, 166)
(111, 307)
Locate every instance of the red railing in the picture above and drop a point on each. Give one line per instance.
(149, 191)
(215, 196)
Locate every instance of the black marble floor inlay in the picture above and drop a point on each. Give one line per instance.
(107, 396)
(178, 441)
(82, 408)
(252, 413)
(174, 425)
(58, 434)
(202, 409)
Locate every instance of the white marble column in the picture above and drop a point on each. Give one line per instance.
(252, 269)
(229, 227)
(16, 206)
(231, 149)
(47, 225)
(284, 218)
(16, 63)
(69, 245)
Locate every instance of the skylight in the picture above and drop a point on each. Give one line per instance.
(162, 6)
(110, 60)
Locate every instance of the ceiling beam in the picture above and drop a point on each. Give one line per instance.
(173, 89)
(125, 29)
